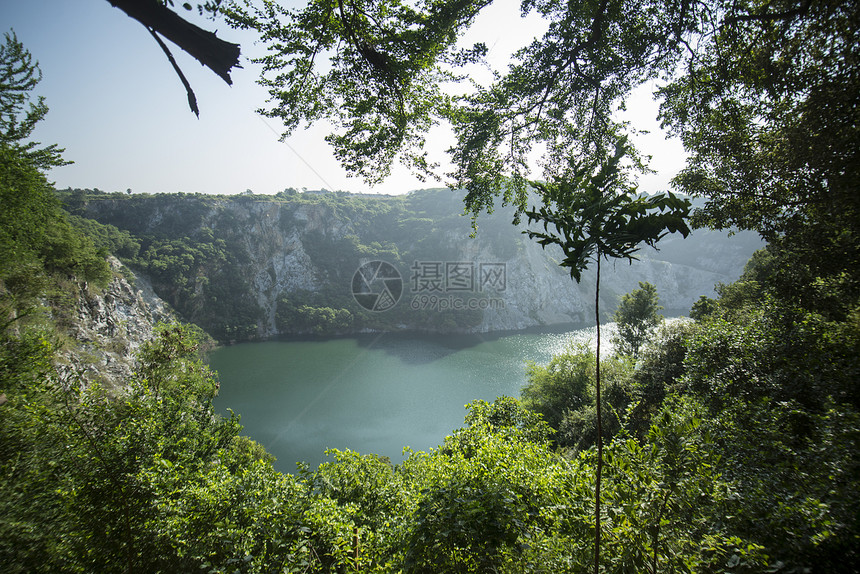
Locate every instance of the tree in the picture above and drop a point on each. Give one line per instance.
(768, 113)
(374, 69)
(594, 215)
(19, 75)
(636, 318)
(703, 307)
(35, 234)
(560, 386)
(563, 393)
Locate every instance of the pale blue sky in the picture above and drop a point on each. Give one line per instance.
(121, 112)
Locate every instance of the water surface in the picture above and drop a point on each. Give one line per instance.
(373, 393)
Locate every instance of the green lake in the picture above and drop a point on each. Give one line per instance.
(372, 393)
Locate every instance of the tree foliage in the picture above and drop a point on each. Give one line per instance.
(636, 318)
(775, 377)
(772, 384)
(562, 90)
(19, 75)
(563, 393)
(768, 112)
(594, 214)
(374, 69)
(763, 95)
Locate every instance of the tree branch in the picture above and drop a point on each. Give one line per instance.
(771, 16)
(216, 54)
(192, 99)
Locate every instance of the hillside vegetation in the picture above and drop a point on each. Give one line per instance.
(204, 274)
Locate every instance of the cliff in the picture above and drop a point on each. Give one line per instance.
(102, 329)
(255, 266)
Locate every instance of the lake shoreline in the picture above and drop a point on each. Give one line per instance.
(555, 328)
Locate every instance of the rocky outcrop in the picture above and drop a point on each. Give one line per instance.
(107, 327)
(277, 261)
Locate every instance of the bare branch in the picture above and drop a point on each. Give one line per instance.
(192, 99)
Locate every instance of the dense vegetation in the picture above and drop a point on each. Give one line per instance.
(636, 319)
(156, 482)
(774, 385)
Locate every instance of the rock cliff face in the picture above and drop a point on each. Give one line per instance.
(313, 247)
(277, 261)
(107, 327)
(540, 292)
(537, 292)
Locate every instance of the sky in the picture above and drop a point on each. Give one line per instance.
(120, 111)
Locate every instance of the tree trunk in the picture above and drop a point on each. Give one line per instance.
(599, 426)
